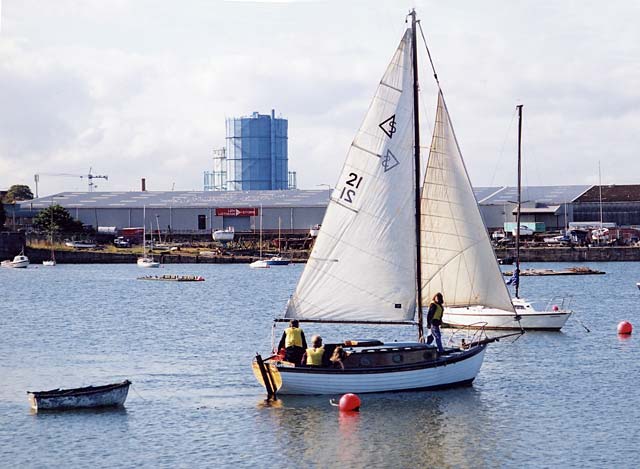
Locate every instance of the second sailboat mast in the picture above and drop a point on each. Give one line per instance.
(517, 273)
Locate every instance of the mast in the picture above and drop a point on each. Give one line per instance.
(416, 130)
(517, 272)
(600, 197)
(260, 231)
(51, 228)
(144, 231)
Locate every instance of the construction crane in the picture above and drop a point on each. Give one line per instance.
(90, 177)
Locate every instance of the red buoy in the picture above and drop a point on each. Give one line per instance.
(625, 327)
(349, 402)
(555, 308)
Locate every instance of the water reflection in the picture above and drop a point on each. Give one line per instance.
(399, 429)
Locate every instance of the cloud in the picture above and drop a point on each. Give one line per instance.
(142, 89)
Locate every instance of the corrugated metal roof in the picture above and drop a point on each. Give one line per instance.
(184, 199)
(542, 194)
(625, 193)
(551, 195)
(482, 193)
(552, 209)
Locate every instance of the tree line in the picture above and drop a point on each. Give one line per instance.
(52, 220)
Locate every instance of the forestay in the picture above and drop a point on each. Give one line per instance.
(457, 257)
(363, 265)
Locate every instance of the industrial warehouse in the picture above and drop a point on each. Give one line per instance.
(547, 208)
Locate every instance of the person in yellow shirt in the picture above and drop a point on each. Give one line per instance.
(314, 356)
(293, 342)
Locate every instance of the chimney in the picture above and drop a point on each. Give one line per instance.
(144, 184)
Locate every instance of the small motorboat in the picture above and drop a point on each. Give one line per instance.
(19, 262)
(110, 395)
(638, 285)
(278, 260)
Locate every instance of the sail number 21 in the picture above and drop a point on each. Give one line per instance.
(348, 194)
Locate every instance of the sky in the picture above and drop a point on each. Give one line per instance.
(142, 88)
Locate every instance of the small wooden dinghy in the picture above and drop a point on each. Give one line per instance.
(174, 278)
(110, 395)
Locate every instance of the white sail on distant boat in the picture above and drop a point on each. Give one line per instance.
(477, 301)
(362, 270)
(146, 261)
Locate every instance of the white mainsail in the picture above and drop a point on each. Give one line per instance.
(363, 264)
(457, 257)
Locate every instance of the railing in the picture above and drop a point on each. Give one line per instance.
(473, 333)
(554, 302)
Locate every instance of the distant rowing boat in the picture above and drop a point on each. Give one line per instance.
(545, 272)
(174, 278)
(110, 395)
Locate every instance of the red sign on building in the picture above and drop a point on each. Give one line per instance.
(237, 212)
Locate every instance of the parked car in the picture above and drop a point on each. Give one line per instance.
(121, 242)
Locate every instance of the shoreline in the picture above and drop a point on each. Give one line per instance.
(542, 254)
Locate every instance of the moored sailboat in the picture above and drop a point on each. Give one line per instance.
(366, 266)
(146, 261)
(51, 262)
(260, 263)
(476, 302)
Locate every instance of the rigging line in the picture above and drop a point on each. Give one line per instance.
(435, 75)
(501, 154)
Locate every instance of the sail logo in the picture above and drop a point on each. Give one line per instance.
(389, 161)
(389, 126)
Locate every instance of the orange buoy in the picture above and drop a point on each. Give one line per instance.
(625, 327)
(349, 402)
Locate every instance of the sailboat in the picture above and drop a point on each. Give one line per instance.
(368, 264)
(499, 311)
(146, 261)
(279, 260)
(260, 263)
(51, 262)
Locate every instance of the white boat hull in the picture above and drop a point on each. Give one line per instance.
(223, 236)
(259, 265)
(491, 318)
(300, 381)
(148, 263)
(49, 263)
(80, 245)
(18, 262)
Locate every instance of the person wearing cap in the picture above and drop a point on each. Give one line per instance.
(293, 342)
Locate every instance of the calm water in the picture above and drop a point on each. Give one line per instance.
(546, 400)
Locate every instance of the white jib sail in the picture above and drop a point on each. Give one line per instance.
(456, 254)
(362, 266)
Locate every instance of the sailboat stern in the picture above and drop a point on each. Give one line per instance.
(267, 374)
